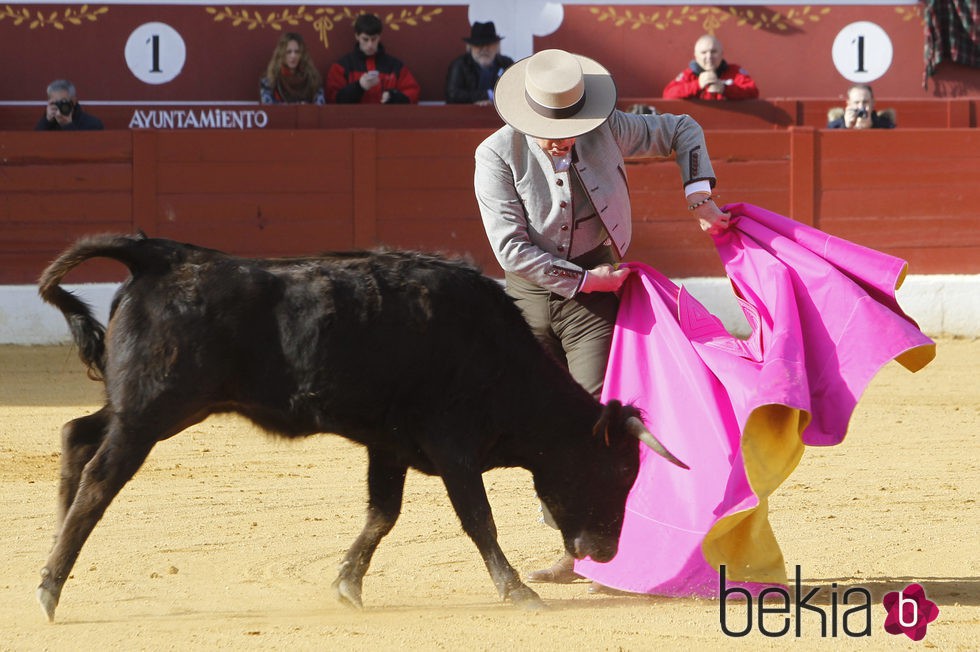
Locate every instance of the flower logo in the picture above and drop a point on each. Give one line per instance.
(909, 612)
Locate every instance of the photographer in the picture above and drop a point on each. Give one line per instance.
(859, 112)
(64, 113)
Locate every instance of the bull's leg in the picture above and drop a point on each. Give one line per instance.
(114, 463)
(469, 499)
(80, 438)
(386, 486)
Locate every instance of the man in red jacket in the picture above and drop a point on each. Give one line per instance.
(369, 75)
(710, 77)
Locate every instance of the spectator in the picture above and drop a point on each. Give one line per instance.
(472, 76)
(710, 77)
(291, 77)
(64, 113)
(859, 112)
(369, 75)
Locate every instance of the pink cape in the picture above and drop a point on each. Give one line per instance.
(823, 319)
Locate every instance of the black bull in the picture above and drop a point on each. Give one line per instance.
(424, 361)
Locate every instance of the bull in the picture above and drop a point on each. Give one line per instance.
(423, 360)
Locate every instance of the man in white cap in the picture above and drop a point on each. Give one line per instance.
(553, 195)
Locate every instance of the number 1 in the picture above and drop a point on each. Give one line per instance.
(860, 44)
(156, 52)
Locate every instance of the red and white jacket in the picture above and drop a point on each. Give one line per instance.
(342, 79)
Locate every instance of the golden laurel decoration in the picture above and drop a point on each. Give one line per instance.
(776, 19)
(324, 19)
(910, 13)
(409, 18)
(711, 18)
(255, 19)
(58, 20)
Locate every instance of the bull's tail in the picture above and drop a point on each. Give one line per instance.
(86, 331)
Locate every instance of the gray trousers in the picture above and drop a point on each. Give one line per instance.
(578, 331)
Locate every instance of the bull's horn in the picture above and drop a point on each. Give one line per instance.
(636, 428)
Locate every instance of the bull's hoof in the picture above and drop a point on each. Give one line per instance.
(48, 600)
(526, 599)
(348, 593)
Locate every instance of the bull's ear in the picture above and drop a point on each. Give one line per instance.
(610, 415)
(636, 428)
(602, 427)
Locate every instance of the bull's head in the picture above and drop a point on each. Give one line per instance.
(588, 501)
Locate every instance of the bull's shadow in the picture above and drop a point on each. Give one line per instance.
(944, 591)
(963, 591)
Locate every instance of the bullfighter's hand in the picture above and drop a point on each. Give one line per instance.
(604, 278)
(712, 219)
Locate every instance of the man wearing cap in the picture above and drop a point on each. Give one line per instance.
(553, 194)
(472, 76)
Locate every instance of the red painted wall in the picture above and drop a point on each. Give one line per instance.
(786, 48)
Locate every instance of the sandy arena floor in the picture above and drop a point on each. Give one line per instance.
(227, 539)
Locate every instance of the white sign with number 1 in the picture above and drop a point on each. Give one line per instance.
(862, 52)
(155, 53)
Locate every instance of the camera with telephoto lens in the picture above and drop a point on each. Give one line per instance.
(860, 113)
(65, 106)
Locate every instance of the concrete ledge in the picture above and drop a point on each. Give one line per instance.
(943, 305)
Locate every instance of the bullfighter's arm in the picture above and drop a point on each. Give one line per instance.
(661, 135)
(506, 226)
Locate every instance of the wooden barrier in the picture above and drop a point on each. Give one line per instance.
(782, 113)
(748, 114)
(283, 192)
(255, 117)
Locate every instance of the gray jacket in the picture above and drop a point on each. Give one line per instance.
(527, 206)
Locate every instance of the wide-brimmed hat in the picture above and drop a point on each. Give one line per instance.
(555, 94)
(483, 34)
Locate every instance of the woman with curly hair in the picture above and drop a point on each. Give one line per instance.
(291, 77)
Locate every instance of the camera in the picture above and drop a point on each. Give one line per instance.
(860, 113)
(65, 106)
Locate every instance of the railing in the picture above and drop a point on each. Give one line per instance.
(748, 114)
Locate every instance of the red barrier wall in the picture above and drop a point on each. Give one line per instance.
(279, 192)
